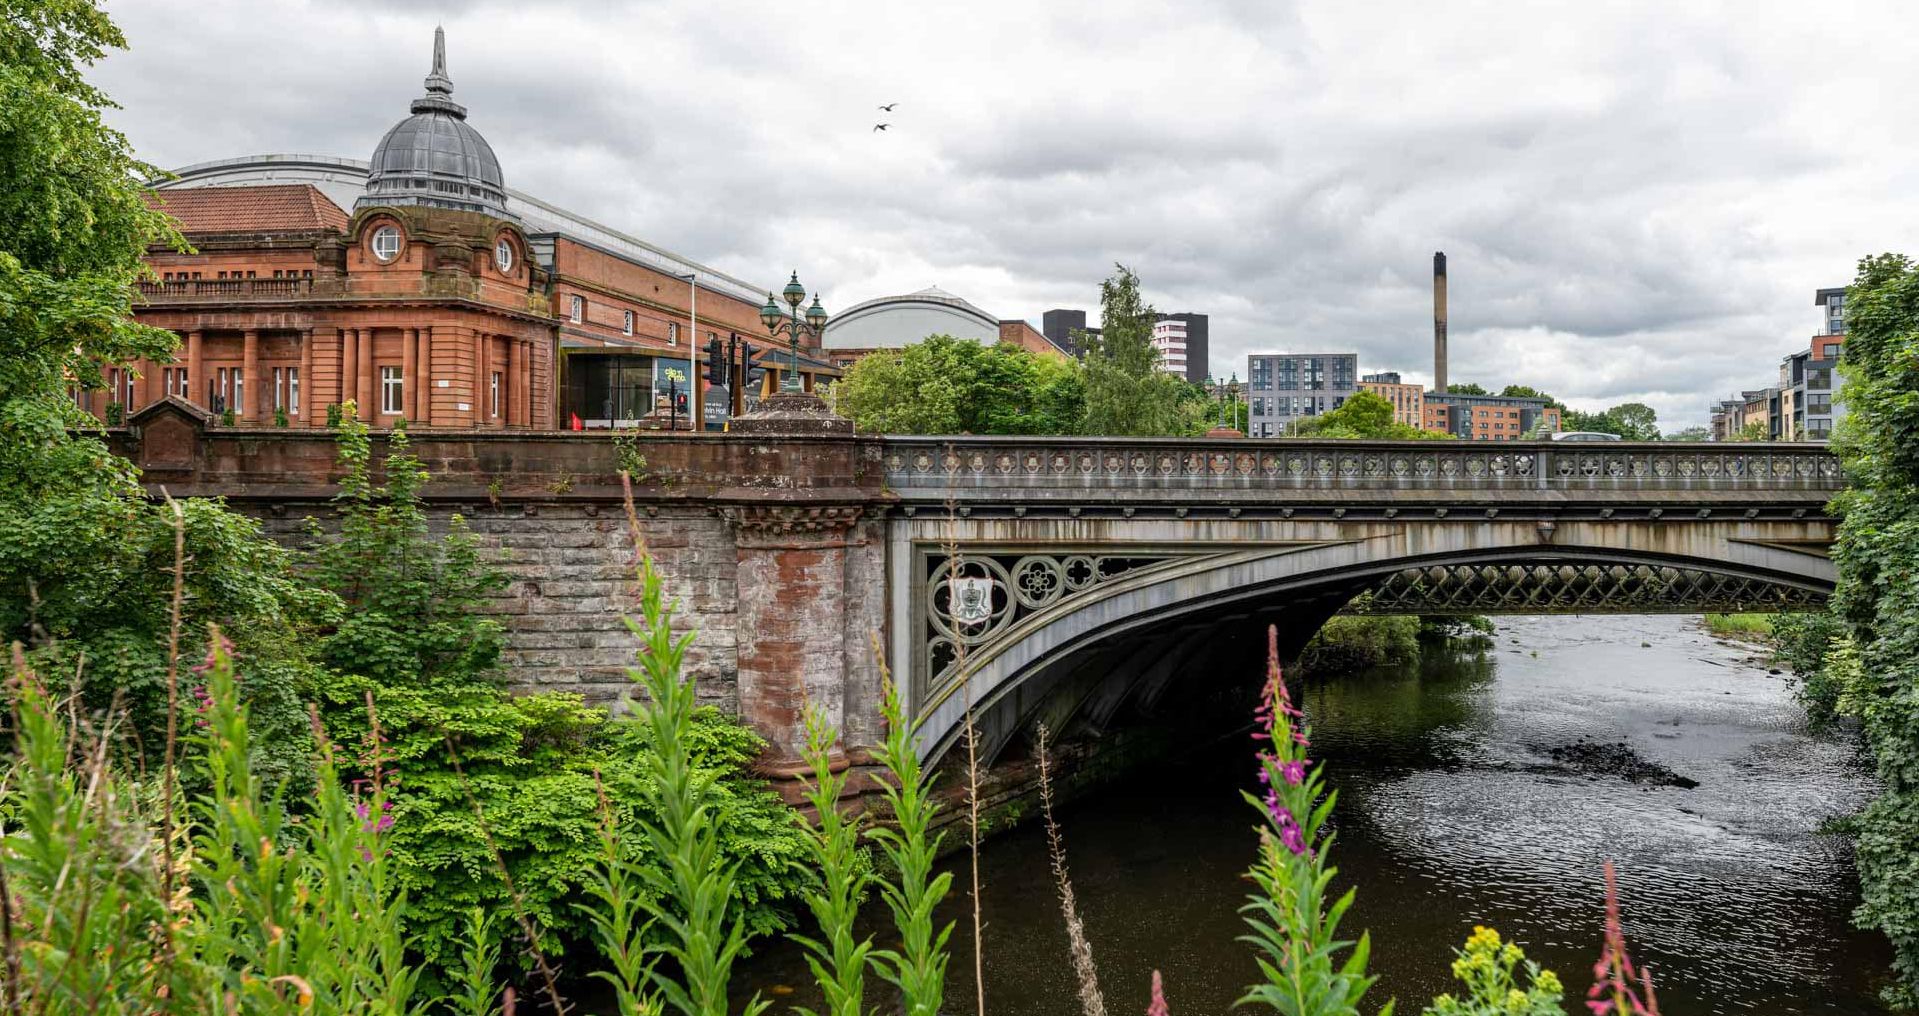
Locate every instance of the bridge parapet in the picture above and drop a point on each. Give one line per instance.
(975, 469)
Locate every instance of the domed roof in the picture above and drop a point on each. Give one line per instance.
(434, 157)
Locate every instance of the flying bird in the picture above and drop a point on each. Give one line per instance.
(881, 126)
(889, 106)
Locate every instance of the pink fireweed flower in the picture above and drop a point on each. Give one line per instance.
(1293, 772)
(1157, 1006)
(1617, 986)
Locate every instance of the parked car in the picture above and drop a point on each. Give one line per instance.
(1584, 435)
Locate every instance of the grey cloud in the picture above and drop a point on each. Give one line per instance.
(1637, 198)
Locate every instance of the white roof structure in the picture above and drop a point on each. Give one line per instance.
(891, 322)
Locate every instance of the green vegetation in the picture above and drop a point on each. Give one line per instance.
(1867, 666)
(944, 385)
(1500, 981)
(1363, 415)
(1741, 625)
(502, 798)
(1126, 392)
(1349, 642)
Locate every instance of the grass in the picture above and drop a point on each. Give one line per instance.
(1740, 625)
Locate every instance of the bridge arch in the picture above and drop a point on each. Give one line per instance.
(1048, 662)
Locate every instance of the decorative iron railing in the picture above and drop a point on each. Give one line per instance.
(920, 467)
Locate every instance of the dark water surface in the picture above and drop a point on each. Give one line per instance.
(1471, 792)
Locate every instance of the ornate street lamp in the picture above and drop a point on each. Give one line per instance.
(778, 321)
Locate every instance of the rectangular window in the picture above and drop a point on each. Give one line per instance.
(391, 391)
(672, 333)
(576, 309)
(221, 392)
(239, 390)
(293, 391)
(626, 323)
(279, 388)
(494, 392)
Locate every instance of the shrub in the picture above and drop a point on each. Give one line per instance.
(1490, 970)
(1355, 642)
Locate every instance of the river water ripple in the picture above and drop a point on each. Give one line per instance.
(1478, 789)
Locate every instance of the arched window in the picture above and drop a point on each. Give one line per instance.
(386, 243)
(503, 255)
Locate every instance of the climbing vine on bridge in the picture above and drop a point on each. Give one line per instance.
(1878, 592)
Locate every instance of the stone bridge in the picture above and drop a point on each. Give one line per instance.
(1056, 579)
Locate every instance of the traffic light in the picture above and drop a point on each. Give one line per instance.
(752, 363)
(715, 362)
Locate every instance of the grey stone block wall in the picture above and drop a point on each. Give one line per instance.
(572, 582)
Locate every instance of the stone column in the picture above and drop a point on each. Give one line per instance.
(365, 386)
(304, 405)
(424, 338)
(196, 371)
(409, 371)
(510, 413)
(528, 414)
(349, 362)
(252, 390)
(791, 589)
(480, 402)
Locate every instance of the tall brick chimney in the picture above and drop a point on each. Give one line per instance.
(1439, 322)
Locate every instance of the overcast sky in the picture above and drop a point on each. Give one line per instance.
(1637, 198)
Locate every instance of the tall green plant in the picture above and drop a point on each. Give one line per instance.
(838, 957)
(691, 893)
(918, 966)
(1294, 927)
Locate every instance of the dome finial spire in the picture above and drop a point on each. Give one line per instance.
(436, 79)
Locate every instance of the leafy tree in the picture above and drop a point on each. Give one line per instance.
(944, 385)
(1754, 430)
(85, 559)
(1468, 388)
(1632, 421)
(1126, 392)
(1878, 592)
(1693, 433)
(1637, 421)
(1364, 415)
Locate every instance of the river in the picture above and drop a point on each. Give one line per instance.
(1476, 788)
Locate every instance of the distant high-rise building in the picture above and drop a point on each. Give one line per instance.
(1283, 387)
(1060, 326)
(1182, 342)
(1803, 405)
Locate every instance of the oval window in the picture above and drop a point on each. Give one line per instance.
(386, 243)
(503, 256)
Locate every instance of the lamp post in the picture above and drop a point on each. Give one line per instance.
(778, 321)
(692, 280)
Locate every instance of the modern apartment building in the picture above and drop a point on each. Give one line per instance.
(1804, 404)
(1409, 400)
(1487, 417)
(1284, 387)
(1182, 342)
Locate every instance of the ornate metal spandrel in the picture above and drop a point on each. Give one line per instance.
(1567, 588)
(973, 601)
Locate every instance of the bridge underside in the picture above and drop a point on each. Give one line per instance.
(1576, 588)
(1085, 620)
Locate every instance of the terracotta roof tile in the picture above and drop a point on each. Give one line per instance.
(271, 208)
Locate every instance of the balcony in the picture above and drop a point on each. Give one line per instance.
(215, 290)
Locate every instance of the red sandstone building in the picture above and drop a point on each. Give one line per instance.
(442, 298)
